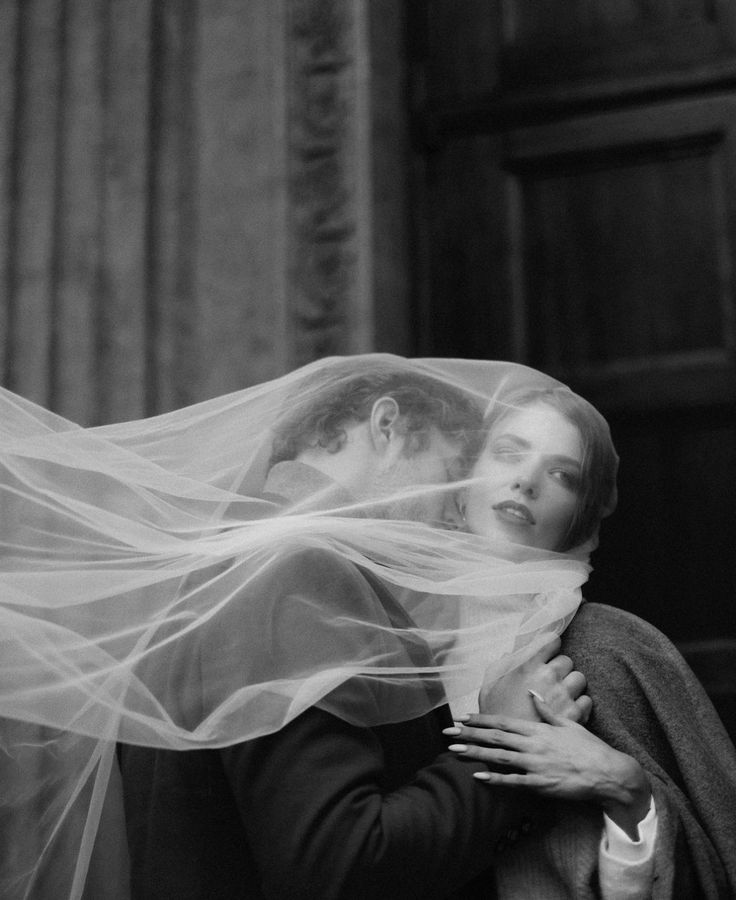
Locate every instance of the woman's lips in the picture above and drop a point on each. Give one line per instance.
(514, 512)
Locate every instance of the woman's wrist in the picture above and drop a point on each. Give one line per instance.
(627, 797)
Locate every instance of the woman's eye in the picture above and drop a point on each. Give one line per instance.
(569, 479)
(505, 451)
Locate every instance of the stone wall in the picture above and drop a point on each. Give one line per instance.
(196, 196)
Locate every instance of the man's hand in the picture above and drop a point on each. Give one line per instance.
(551, 676)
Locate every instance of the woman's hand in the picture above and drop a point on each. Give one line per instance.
(556, 758)
(551, 674)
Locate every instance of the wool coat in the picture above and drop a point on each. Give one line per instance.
(649, 704)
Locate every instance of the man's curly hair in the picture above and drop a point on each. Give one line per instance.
(424, 403)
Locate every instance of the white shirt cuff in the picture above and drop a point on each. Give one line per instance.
(626, 867)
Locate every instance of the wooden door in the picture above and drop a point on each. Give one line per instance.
(575, 197)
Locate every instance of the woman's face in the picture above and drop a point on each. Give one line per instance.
(530, 474)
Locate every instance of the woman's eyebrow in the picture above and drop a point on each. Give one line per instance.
(569, 460)
(524, 444)
(510, 436)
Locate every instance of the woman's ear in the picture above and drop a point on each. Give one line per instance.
(384, 418)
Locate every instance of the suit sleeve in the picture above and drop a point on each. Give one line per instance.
(333, 809)
(320, 824)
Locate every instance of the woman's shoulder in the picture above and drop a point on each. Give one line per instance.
(598, 628)
(596, 616)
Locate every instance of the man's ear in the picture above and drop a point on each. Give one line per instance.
(384, 418)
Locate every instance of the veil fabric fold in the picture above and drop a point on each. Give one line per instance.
(154, 591)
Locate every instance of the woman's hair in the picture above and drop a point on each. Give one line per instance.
(597, 494)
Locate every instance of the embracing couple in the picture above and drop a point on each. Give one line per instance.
(330, 632)
(429, 531)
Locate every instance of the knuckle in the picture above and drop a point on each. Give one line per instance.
(554, 689)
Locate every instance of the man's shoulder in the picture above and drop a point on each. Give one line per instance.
(319, 579)
(304, 565)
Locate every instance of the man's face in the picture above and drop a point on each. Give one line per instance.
(436, 464)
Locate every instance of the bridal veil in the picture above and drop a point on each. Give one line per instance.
(123, 546)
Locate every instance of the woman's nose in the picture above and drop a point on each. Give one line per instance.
(526, 483)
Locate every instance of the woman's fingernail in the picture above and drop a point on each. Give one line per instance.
(535, 694)
(451, 731)
(458, 748)
(482, 776)
(462, 718)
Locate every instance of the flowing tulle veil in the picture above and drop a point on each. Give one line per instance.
(123, 544)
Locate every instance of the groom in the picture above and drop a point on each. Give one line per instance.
(323, 808)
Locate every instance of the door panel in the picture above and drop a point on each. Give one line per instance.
(577, 212)
(551, 41)
(622, 249)
(668, 553)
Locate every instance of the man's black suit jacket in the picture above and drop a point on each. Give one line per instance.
(321, 808)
